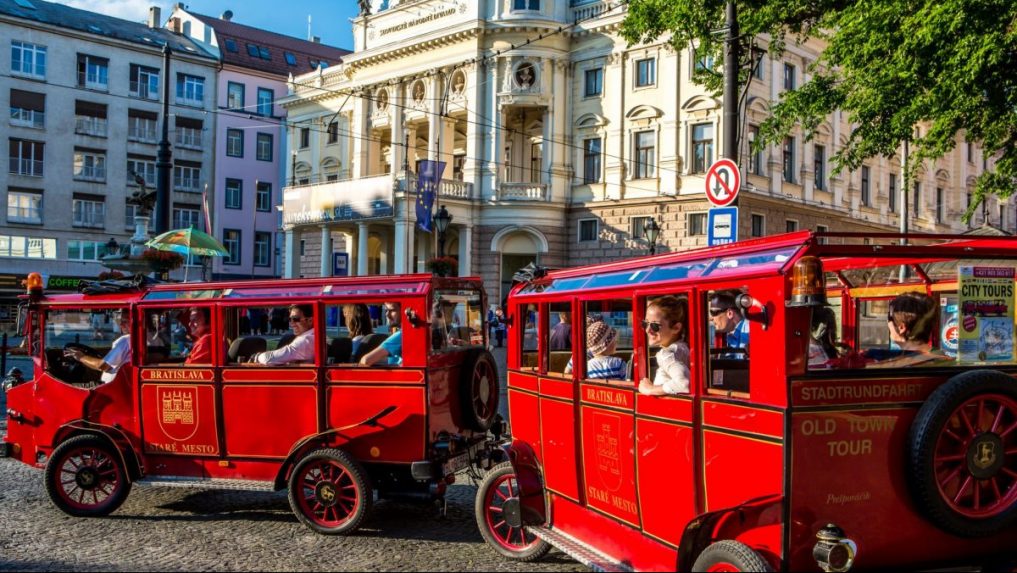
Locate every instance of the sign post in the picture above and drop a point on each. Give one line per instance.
(340, 264)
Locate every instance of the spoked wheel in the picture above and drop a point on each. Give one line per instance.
(963, 458)
(730, 555)
(478, 391)
(972, 472)
(329, 492)
(85, 477)
(499, 517)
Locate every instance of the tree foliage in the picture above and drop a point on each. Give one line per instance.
(924, 71)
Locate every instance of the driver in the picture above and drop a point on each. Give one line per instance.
(117, 356)
(727, 319)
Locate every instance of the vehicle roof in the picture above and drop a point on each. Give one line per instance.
(771, 255)
(394, 286)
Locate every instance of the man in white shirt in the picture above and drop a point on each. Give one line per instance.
(117, 356)
(302, 347)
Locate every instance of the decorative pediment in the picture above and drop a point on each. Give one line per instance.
(591, 121)
(701, 103)
(644, 112)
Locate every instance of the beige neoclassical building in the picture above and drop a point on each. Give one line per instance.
(561, 143)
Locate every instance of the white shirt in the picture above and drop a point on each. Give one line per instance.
(117, 356)
(673, 368)
(300, 350)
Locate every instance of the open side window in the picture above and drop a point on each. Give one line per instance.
(727, 335)
(92, 331)
(608, 333)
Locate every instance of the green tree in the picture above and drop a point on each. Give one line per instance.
(945, 66)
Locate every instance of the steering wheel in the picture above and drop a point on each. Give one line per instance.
(85, 349)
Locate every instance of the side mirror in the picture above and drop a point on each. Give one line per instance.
(753, 309)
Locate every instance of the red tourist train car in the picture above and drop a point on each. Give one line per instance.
(217, 391)
(830, 404)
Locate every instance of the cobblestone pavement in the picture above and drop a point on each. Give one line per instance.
(193, 529)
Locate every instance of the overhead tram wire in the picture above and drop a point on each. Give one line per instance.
(280, 122)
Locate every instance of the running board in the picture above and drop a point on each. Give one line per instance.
(578, 550)
(207, 483)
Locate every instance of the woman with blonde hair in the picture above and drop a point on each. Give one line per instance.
(667, 325)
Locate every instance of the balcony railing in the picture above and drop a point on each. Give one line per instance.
(593, 10)
(143, 134)
(189, 138)
(27, 117)
(143, 91)
(91, 174)
(89, 125)
(186, 184)
(521, 192)
(29, 167)
(448, 188)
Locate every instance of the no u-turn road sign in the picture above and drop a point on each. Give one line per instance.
(722, 182)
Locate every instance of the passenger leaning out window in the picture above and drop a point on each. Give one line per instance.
(666, 326)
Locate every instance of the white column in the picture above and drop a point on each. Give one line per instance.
(398, 153)
(465, 238)
(292, 255)
(400, 247)
(326, 251)
(423, 246)
(473, 169)
(351, 254)
(360, 141)
(362, 255)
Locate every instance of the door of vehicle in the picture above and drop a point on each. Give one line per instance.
(666, 460)
(179, 415)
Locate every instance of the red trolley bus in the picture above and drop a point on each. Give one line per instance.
(384, 388)
(827, 400)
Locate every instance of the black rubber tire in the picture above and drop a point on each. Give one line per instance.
(493, 478)
(922, 440)
(357, 478)
(57, 476)
(732, 553)
(478, 403)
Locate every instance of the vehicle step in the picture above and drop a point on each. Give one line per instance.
(579, 551)
(207, 483)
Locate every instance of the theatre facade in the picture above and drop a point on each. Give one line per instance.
(561, 144)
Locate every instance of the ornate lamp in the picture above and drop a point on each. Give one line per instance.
(651, 231)
(441, 222)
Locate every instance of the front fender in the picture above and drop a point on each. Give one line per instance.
(729, 523)
(115, 436)
(531, 483)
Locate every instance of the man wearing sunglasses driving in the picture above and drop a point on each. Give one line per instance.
(302, 347)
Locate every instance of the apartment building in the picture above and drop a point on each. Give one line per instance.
(84, 93)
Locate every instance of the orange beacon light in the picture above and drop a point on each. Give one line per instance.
(33, 284)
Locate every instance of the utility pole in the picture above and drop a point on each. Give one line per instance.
(164, 157)
(904, 195)
(731, 86)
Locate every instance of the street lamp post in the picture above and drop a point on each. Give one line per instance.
(441, 222)
(652, 230)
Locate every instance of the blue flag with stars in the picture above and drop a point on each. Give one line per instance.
(428, 179)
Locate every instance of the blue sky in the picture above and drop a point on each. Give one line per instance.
(329, 18)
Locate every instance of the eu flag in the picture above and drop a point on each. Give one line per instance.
(427, 187)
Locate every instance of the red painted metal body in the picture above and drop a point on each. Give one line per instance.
(247, 422)
(651, 481)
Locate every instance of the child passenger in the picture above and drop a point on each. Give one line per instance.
(601, 344)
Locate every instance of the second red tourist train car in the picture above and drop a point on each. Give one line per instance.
(791, 403)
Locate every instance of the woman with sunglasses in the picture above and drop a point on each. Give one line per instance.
(666, 326)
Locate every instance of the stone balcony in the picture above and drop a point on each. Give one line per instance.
(521, 192)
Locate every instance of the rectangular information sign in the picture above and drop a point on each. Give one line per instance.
(722, 226)
(986, 314)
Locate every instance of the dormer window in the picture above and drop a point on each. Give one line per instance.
(526, 5)
(231, 45)
(252, 51)
(290, 59)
